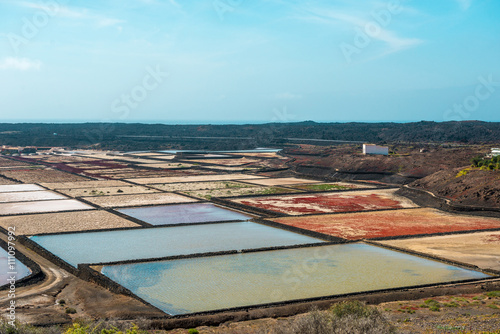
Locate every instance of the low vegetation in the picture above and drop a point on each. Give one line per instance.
(77, 327)
(346, 317)
(323, 187)
(486, 164)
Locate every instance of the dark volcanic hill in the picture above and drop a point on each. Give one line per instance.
(475, 187)
(121, 136)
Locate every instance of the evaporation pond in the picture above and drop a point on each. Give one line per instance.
(147, 243)
(183, 213)
(220, 282)
(6, 271)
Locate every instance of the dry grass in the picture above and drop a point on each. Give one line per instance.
(351, 317)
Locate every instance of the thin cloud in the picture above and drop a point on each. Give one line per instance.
(73, 13)
(346, 20)
(19, 64)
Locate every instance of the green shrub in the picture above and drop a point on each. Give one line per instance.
(432, 305)
(354, 307)
(70, 310)
(193, 331)
(493, 294)
(346, 317)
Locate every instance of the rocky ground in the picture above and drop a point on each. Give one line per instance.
(444, 171)
(407, 160)
(464, 186)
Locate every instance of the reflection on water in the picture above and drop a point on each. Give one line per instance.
(183, 213)
(20, 268)
(203, 284)
(144, 243)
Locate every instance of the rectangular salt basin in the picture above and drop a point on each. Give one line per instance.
(220, 282)
(19, 270)
(27, 196)
(183, 213)
(20, 187)
(43, 206)
(144, 243)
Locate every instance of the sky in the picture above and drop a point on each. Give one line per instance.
(242, 61)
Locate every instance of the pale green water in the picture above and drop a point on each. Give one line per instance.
(147, 243)
(204, 284)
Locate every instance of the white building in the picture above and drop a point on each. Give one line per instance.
(495, 152)
(375, 149)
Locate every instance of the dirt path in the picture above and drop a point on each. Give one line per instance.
(38, 304)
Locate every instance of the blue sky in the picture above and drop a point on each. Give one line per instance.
(231, 61)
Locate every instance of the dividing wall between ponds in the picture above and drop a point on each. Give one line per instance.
(27, 272)
(144, 243)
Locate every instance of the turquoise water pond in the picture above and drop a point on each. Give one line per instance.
(219, 282)
(183, 213)
(144, 243)
(21, 270)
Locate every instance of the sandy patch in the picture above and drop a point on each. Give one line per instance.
(231, 169)
(42, 206)
(41, 175)
(149, 154)
(226, 162)
(260, 155)
(155, 164)
(480, 249)
(60, 158)
(137, 160)
(4, 181)
(107, 191)
(112, 171)
(64, 222)
(162, 156)
(331, 186)
(195, 178)
(138, 200)
(282, 181)
(189, 186)
(4, 162)
(233, 192)
(85, 184)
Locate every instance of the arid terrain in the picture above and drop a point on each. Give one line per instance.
(326, 192)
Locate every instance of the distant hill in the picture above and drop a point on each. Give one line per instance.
(121, 136)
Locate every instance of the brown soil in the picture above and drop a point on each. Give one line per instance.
(6, 162)
(41, 175)
(476, 187)
(4, 181)
(407, 160)
(64, 222)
